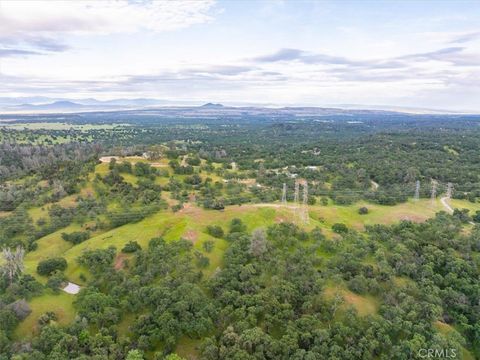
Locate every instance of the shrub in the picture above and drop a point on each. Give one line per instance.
(462, 215)
(177, 207)
(201, 260)
(236, 225)
(339, 228)
(97, 260)
(46, 318)
(76, 237)
(47, 267)
(208, 245)
(476, 217)
(363, 210)
(56, 280)
(131, 247)
(215, 231)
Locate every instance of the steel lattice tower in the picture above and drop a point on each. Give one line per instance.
(417, 191)
(449, 190)
(284, 194)
(434, 190)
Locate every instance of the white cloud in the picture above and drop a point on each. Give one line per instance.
(43, 26)
(54, 17)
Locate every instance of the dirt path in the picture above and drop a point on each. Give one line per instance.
(375, 185)
(106, 159)
(274, 205)
(446, 205)
(449, 209)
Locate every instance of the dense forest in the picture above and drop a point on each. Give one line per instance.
(175, 231)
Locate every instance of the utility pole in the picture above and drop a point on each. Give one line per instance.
(417, 191)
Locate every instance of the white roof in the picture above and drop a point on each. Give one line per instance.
(72, 288)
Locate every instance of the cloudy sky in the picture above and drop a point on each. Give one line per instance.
(403, 53)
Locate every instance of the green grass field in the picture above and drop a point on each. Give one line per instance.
(364, 305)
(61, 305)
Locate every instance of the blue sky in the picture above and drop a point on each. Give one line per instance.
(401, 53)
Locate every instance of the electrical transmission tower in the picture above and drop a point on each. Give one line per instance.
(301, 209)
(305, 193)
(417, 191)
(449, 190)
(284, 194)
(297, 189)
(304, 212)
(434, 190)
(296, 197)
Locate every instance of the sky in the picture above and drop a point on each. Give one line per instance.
(395, 53)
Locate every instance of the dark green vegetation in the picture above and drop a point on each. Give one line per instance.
(168, 262)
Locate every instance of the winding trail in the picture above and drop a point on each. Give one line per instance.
(374, 184)
(449, 209)
(446, 205)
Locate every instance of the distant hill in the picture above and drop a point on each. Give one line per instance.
(212, 106)
(52, 105)
(57, 106)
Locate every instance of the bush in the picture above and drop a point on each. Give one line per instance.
(76, 237)
(363, 210)
(476, 217)
(194, 161)
(56, 280)
(131, 247)
(236, 225)
(46, 318)
(97, 260)
(208, 245)
(201, 260)
(177, 207)
(47, 267)
(339, 228)
(462, 215)
(215, 231)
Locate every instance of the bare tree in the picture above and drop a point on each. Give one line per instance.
(13, 262)
(258, 242)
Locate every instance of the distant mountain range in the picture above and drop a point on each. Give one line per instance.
(39, 104)
(45, 104)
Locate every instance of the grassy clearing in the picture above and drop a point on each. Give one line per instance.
(188, 348)
(365, 305)
(172, 226)
(102, 169)
(39, 212)
(464, 204)
(417, 211)
(448, 330)
(50, 246)
(61, 305)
